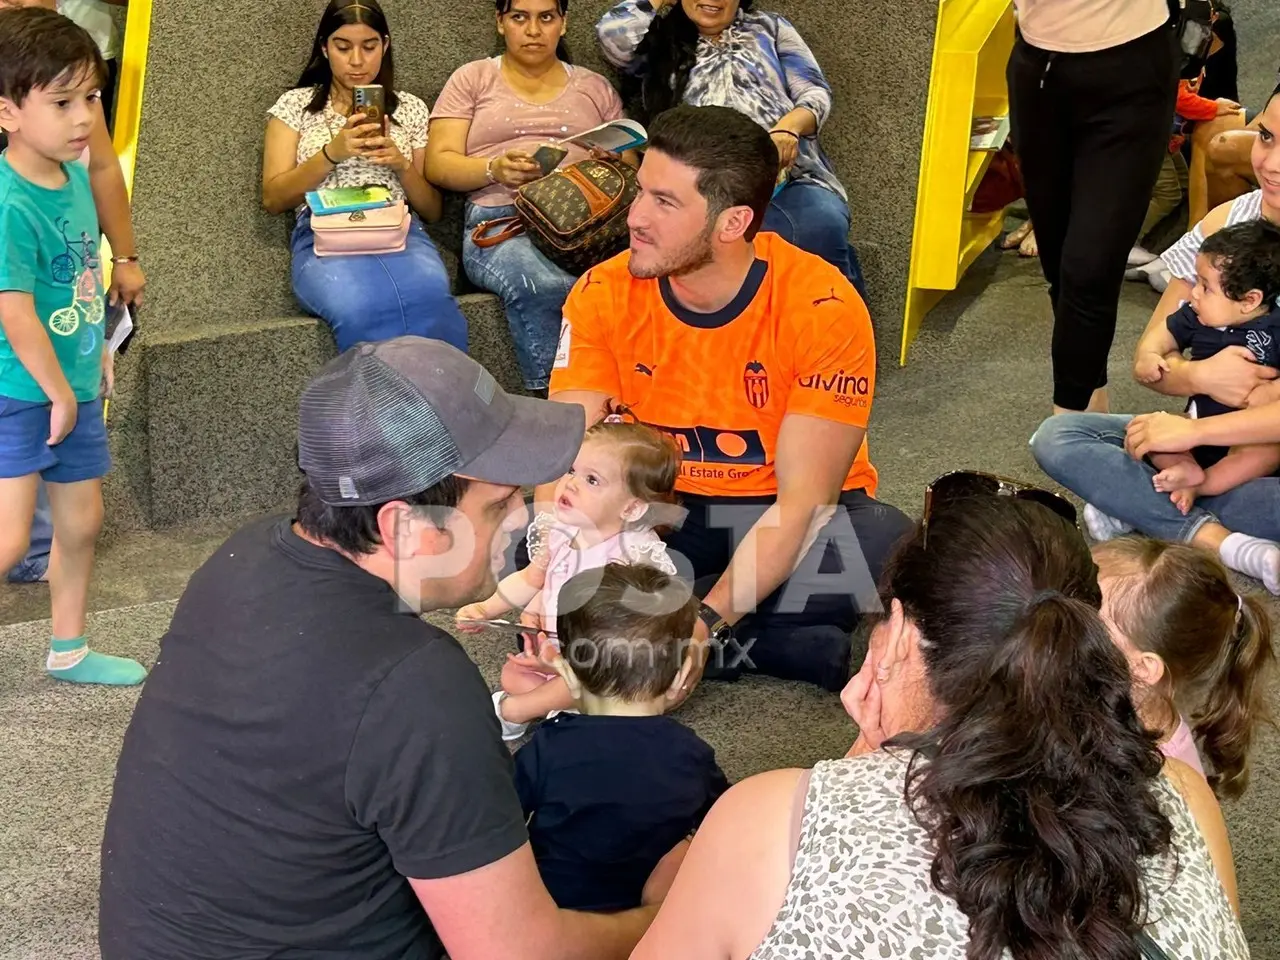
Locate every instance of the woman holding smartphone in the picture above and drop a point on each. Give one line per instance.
(317, 139)
(490, 120)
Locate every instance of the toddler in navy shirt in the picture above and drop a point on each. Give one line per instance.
(1233, 304)
(608, 792)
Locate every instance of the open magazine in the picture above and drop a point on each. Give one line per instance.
(615, 136)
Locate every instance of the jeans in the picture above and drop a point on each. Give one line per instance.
(36, 563)
(370, 297)
(1085, 453)
(817, 220)
(532, 288)
(802, 630)
(1092, 130)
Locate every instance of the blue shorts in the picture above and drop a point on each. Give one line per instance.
(24, 432)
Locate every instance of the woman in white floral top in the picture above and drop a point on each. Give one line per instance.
(315, 140)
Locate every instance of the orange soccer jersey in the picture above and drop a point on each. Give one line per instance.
(796, 339)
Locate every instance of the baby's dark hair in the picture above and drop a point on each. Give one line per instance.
(625, 628)
(1247, 256)
(1176, 600)
(651, 457)
(39, 47)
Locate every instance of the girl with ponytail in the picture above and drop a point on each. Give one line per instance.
(1199, 653)
(1006, 800)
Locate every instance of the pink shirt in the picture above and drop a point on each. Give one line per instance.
(551, 542)
(501, 121)
(1182, 746)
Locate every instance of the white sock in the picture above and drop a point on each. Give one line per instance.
(1253, 557)
(1102, 527)
(1139, 255)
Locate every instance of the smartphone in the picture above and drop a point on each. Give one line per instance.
(371, 100)
(548, 157)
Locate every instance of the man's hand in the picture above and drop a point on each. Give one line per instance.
(1230, 375)
(699, 649)
(127, 283)
(1160, 433)
(1150, 367)
(1227, 107)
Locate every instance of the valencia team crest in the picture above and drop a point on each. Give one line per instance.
(755, 380)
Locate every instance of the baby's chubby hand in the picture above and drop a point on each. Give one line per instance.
(1150, 367)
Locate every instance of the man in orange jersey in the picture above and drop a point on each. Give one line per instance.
(759, 359)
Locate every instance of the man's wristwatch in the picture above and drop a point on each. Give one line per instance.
(717, 627)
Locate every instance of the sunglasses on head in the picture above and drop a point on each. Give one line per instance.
(967, 484)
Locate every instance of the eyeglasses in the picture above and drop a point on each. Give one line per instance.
(967, 484)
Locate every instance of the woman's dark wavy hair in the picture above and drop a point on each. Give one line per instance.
(503, 7)
(1037, 786)
(318, 73)
(666, 57)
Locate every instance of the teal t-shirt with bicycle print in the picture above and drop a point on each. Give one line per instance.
(49, 249)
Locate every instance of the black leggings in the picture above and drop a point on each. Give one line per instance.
(1091, 131)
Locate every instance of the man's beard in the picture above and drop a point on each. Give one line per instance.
(692, 256)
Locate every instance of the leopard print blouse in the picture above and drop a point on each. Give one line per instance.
(860, 886)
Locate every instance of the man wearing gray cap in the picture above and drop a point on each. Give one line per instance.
(312, 770)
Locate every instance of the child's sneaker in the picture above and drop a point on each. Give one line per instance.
(510, 731)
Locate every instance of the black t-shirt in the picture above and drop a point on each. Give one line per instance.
(607, 798)
(1261, 336)
(302, 745)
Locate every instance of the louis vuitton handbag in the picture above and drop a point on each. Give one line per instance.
(576, 217)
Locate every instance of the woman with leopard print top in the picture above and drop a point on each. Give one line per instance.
(1033, 818)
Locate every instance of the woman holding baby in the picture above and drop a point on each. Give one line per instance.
(1104, 459)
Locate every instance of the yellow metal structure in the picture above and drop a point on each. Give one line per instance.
(971, 49)
(133, 71)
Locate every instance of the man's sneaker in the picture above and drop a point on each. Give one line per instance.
(510, 731)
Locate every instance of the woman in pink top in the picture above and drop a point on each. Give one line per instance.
(489, 120)
(1196, 649)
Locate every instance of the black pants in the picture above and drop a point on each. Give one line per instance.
(1091, 131)
(802, 631)
(109, 89)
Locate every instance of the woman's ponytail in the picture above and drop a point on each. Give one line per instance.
(1038, 786)
(1235, 699)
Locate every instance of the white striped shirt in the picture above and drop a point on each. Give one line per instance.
(1181, 257)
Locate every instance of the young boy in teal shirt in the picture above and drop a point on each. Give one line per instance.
(53, 360)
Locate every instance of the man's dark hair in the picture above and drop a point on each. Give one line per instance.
(38, 47)
(624, 628)
(1247, 256)
(736, 159)
(354, 530)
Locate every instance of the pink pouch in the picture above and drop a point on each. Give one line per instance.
(381, 230)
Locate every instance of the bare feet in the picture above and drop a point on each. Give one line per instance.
(1180, 476)
(1029, 247)
(1014, 239)
(1183, 499)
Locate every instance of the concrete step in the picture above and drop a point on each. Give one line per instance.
(203, 425)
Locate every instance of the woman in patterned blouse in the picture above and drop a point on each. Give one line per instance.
(720, 52)
(1003, 800)
(315, 139)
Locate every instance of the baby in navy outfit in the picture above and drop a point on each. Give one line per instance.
(1233, 304)
(608, 792)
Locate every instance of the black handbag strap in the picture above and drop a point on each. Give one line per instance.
(1150, 950)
